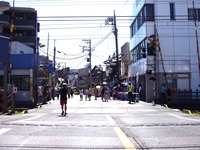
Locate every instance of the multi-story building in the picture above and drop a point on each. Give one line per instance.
(26, 26)
(171, 24)
(24, 57)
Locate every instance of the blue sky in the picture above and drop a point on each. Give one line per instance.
(66, 23)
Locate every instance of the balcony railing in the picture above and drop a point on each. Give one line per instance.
(25, 23)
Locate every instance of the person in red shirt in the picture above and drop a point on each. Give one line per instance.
(63, 99)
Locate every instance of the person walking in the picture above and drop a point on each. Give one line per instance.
(89, 94)
(102, 93)
(81, 94)
(63, 99)
(170, 94)
(130, 93)
(86, 94)
(106, 94)
(163, 94)
(46, 94)
(140, 91)
(71, 92)
(95, 91)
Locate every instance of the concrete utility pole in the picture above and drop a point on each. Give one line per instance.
(47, 62)
(116, 44)
(196, 35)
(112, 21)
(7, 71)
(54, 67)
(88, 41)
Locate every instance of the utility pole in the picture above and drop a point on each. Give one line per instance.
(54, 69)
(90, 57)
(88, 41)
(112, 21)
(7, 70)
(196, 35)
(116, 44)
(47, 62)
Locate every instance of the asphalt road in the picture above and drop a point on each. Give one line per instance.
(100, 125)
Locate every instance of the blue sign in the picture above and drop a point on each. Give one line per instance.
(4, 46)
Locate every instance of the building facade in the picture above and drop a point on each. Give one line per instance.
(174, 59)
(124, 61)
(20, 26)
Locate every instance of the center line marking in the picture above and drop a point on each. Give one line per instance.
(110, 119)
(121, 135)
(124, 139)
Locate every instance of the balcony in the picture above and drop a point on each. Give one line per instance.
(25, 24)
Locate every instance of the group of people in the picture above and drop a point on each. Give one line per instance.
(87, 93)
(105, 93)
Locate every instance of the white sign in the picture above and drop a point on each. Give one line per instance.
(14, 90)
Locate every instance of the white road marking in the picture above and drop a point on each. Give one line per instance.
(3, 130)
(110, 119)
(23, 120)
(184, 118)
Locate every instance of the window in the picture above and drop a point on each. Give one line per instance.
(21, 82)
(149, 12)
(172, 11)
(194, 12)
(146, 14)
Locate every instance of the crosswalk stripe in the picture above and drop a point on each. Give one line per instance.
(3, 130)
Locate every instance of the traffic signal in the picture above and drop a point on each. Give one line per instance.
(148, 71)
(144, 53)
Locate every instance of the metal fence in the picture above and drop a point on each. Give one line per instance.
(187, 99)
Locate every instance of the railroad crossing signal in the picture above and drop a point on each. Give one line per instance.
(154, 43)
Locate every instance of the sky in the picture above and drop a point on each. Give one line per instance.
(64, 24)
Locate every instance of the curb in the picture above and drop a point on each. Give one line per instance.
(166, 106)
(187, 111)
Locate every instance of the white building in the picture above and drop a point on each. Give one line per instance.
(174, 22)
